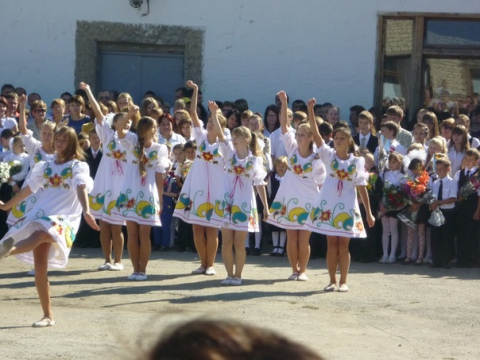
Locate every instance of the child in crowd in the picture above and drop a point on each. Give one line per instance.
(5, 137)
(164, 236)
(185, 155)
(394, 175)
(445, 190)
(417, 168)
(446, 128)
(366, 138)
(185, 126)
(465, 121)
(299, 117)
(326, 132)
(436, 145)
(420, 133)
(279, 235)
(156, 114)
(389, 133)
(468, 213)
(430, 119)
(18, 156)
(245, 117)
(457, 146)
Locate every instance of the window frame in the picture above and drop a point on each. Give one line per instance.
(420, 53)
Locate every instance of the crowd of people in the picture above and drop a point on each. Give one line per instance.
(298, 178)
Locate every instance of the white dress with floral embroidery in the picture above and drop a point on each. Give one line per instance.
(36, 153)
(299, 188)
(110, 176)
(203, 188)
(138, 199)
(336, 211)
(238, 206)
(57, 212)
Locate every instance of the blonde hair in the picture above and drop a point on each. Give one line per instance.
(73, 149)
(250, 137)
(280, 160)
(308, 129)
(145, 104)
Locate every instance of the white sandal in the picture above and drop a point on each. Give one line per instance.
(44, 322)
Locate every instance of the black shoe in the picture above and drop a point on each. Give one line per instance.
(256, 252)
(281, 251)
(274, 253)
(247, 250)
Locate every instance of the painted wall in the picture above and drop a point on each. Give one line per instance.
(253, 48)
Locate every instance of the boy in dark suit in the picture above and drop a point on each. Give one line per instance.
(86, 236)
(366, 138)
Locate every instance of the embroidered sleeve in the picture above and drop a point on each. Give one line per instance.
(81, 176)
(36, 179)
(259, 172)
(326, 153)
(31, 144)
(104, 132)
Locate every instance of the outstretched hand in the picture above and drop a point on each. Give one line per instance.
(191, 84)
(282, 96)
(132, 109)
(91, 221)
(212, 106)
(311, 103)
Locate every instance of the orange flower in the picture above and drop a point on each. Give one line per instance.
(284, 210)
(55, 180)
(297, 169)
(131, 203)
(239, 170)
(342, 174)
(252, 221)
(326, 215)
(359, 226)
(117, 155)
(207, 156)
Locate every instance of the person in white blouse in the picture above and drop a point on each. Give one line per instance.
(277, 147)
(457, 146)
(166, 134)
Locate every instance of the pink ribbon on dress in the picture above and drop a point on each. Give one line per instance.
(340, 187)
(238, 180)
(143, 180)
(118, 168)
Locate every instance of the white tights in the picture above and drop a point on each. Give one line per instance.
(390, 227)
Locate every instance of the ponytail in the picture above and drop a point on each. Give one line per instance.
(254, 145)
(141, 155)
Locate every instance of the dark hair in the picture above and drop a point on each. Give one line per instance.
(66, 93)
(83, 94)
(184, 91)
(149, 93)
(325, 128)
(229, 103)
(298, 101)
(274, 108)
(237, 117)
(226, 340)
(241, 105)
(358, 109)
(190, 145)
(7, 86)
(341, 124)
(415, 163)
(6, 134)
(469, 152)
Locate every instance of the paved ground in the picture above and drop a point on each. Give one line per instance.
(391, 311)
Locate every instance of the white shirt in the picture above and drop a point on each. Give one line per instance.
(456, 160)
(475, 142)
(24, 160)
(395, 177)
(449, 190)
(394, 146)
(277, 147)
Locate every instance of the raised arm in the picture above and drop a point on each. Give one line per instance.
(93, 103)
(283, 112)
(212, 105)
(193, 104)
(313, 124)
(122, 122)
(22, 121)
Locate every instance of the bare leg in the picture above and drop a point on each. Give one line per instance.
(117, 241)
(105, 240)
(292, 249)
(227, 250)
(303, 249)
(212, 246)
(343, 258)
(29, 244)
(133, 245)
(240, 253)
(40, 256)
(332, 257)
(200, 243)
(145, 247)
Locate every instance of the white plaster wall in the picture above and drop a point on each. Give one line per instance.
(253, 48)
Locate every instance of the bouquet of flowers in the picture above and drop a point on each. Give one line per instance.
(15, 167)
(372, 179)
(7, 170)
(417, 192)
(470, 187)
(393, 198)
(4, 172)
